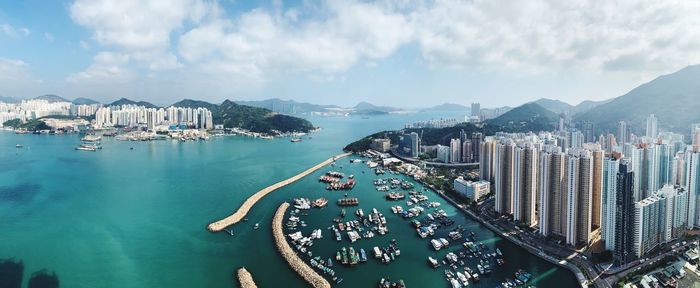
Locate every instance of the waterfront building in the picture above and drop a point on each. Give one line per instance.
(32, 109)
(652, 127)
(487, 156)
(624, 217)
(622, 132)
(470, 189)
(381, 145)
(504, 176)
(579, 197)
(85, 110)
(410, 144)
(455, 151)
(611, 166)
(552, 192)
(526, 184)
(140, 116)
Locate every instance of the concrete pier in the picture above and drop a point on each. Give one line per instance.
(245, 207)
(304, 270)
(245, 279)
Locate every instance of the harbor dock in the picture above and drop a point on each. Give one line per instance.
(245, 279)
(306, 272)
(245, 207)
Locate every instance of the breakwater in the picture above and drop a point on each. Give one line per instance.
(245, 279)
(294, 261)
(245, 207)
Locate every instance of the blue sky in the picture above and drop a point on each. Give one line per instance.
(401, 53)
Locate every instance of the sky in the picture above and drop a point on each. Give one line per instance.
(396, 52)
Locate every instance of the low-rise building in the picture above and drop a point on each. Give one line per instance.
(470, 189)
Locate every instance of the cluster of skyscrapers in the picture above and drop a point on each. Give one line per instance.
(32, 109)
(633, 194)
(153, 118)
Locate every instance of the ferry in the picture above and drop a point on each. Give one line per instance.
(91, 138)
(86, 148)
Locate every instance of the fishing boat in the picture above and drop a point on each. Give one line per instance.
(320, 202)
(295, 140)
(363, 255)
(395, 196)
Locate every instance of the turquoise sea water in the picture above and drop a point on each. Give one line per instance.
(137, 218)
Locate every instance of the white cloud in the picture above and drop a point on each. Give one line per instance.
(106, 67)
(48, 36)
(198, 42)
(261, 41)
(597, 35)
(141, 29)
(11, 31)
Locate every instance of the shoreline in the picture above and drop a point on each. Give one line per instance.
(250, 202)
(532, 250)
(294, 261)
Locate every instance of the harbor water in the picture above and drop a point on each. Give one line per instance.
(123, 217)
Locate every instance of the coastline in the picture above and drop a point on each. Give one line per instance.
(532, 250)
(250, 202)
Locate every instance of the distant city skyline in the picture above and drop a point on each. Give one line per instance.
(405, 54)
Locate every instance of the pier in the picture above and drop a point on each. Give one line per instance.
(306, 272)
(245, 279)
(245, 207)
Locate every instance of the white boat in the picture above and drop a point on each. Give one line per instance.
(86, 148)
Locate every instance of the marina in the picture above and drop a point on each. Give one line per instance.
(219, 175)
(456, 249)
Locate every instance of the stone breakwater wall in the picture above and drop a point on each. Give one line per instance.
(304, 270)
(245, 279)
(245, 207)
